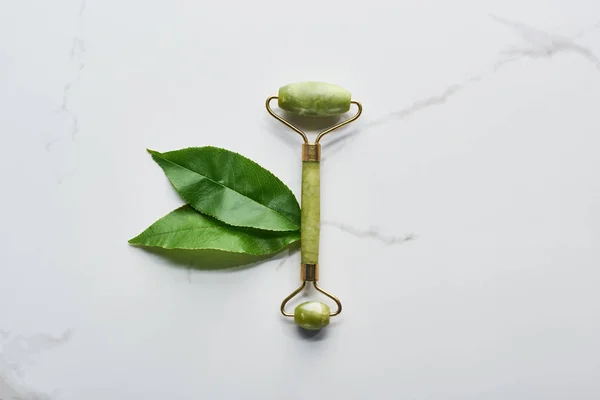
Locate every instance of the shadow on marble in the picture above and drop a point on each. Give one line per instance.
(304, 334)
(311, 126)
(312, 336)
(213, 260)
(339, 139)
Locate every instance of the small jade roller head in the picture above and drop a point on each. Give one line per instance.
(312, 315)
(312, 100)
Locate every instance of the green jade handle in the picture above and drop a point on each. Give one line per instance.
(311, 211)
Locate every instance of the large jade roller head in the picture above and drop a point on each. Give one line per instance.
(312, 100)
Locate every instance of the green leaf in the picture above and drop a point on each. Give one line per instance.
(186, 228)
(206, 260)
(230, 188)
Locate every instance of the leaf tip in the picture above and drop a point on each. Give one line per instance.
(152, 152)
(134, 240)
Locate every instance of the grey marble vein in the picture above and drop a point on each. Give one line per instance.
(540, 45)
(17, 352)
(544, 44)
(76, 57)
(359, 233)
(371, 233)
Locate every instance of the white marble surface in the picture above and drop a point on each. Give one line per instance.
(479, 142)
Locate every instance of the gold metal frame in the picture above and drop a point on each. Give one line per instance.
(325, 132)
(310, 273)
(311, 152)
(326, 293)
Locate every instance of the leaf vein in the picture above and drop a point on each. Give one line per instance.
(226, 187)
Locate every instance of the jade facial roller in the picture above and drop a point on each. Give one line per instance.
(312, 100)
